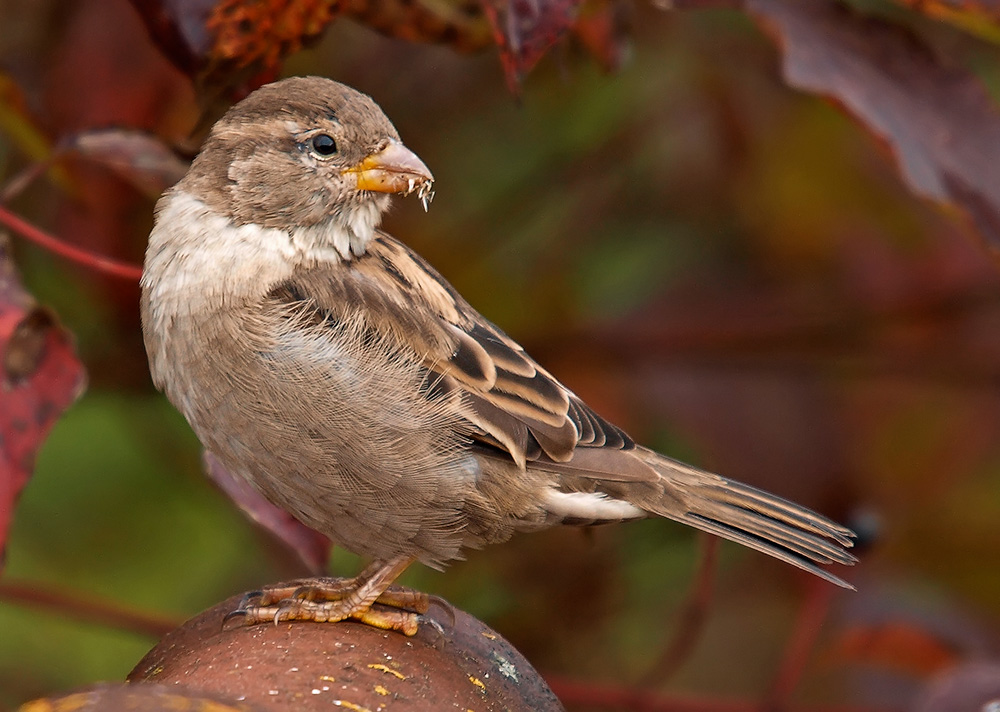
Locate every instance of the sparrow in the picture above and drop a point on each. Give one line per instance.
(349, 383)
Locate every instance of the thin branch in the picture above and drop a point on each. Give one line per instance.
(103, 613)
(692, 615)
(800, 644)
(114, 268)
(20, 182)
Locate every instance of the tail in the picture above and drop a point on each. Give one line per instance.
(749, 516)
(608, 484)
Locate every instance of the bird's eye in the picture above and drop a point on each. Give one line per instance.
(323, 145)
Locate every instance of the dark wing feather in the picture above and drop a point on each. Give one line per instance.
(511, 402)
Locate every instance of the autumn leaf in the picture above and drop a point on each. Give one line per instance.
(602, 27)
(221, 42)
(178, 28)
(525, 29)
(937, 121)
(264, 31)
(39, 377)
(899, 645)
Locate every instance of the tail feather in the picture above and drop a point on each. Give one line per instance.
(754, 518)
(776, 507)
(613, 485)
(788, 536)
(806, 562)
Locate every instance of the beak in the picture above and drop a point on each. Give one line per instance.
(394, 169)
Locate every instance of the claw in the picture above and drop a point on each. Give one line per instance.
(444, 606)
(249, 597)
(425, 620)
(233, 615)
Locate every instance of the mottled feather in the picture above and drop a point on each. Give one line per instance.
(513, 402)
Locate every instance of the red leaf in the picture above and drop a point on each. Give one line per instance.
(262, 32)
(938, 121)
(225, 41)
(460, 24)
(39, 377)
(178, 28)
(603, 28)
(219, 40)
(311, 547)
(525, 29)
(898, 645)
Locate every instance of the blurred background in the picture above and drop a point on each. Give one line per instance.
(729, 269)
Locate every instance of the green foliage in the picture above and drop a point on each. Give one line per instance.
(117, 510)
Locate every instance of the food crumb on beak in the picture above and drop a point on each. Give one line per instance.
(426, 194)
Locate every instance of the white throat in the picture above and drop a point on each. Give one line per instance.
(197, 257)
(347, 232)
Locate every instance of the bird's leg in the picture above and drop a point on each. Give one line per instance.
(367, 598)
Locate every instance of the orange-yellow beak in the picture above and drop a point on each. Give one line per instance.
(394, 169)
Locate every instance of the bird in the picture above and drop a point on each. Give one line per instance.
(339, 374)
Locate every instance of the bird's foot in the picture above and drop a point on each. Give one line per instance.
(367, 598)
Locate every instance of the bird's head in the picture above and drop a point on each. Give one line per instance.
(307, 154)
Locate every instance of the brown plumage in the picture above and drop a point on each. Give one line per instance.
(345, 379)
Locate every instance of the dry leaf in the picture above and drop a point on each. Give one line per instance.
(938, 121)
(39, 377)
